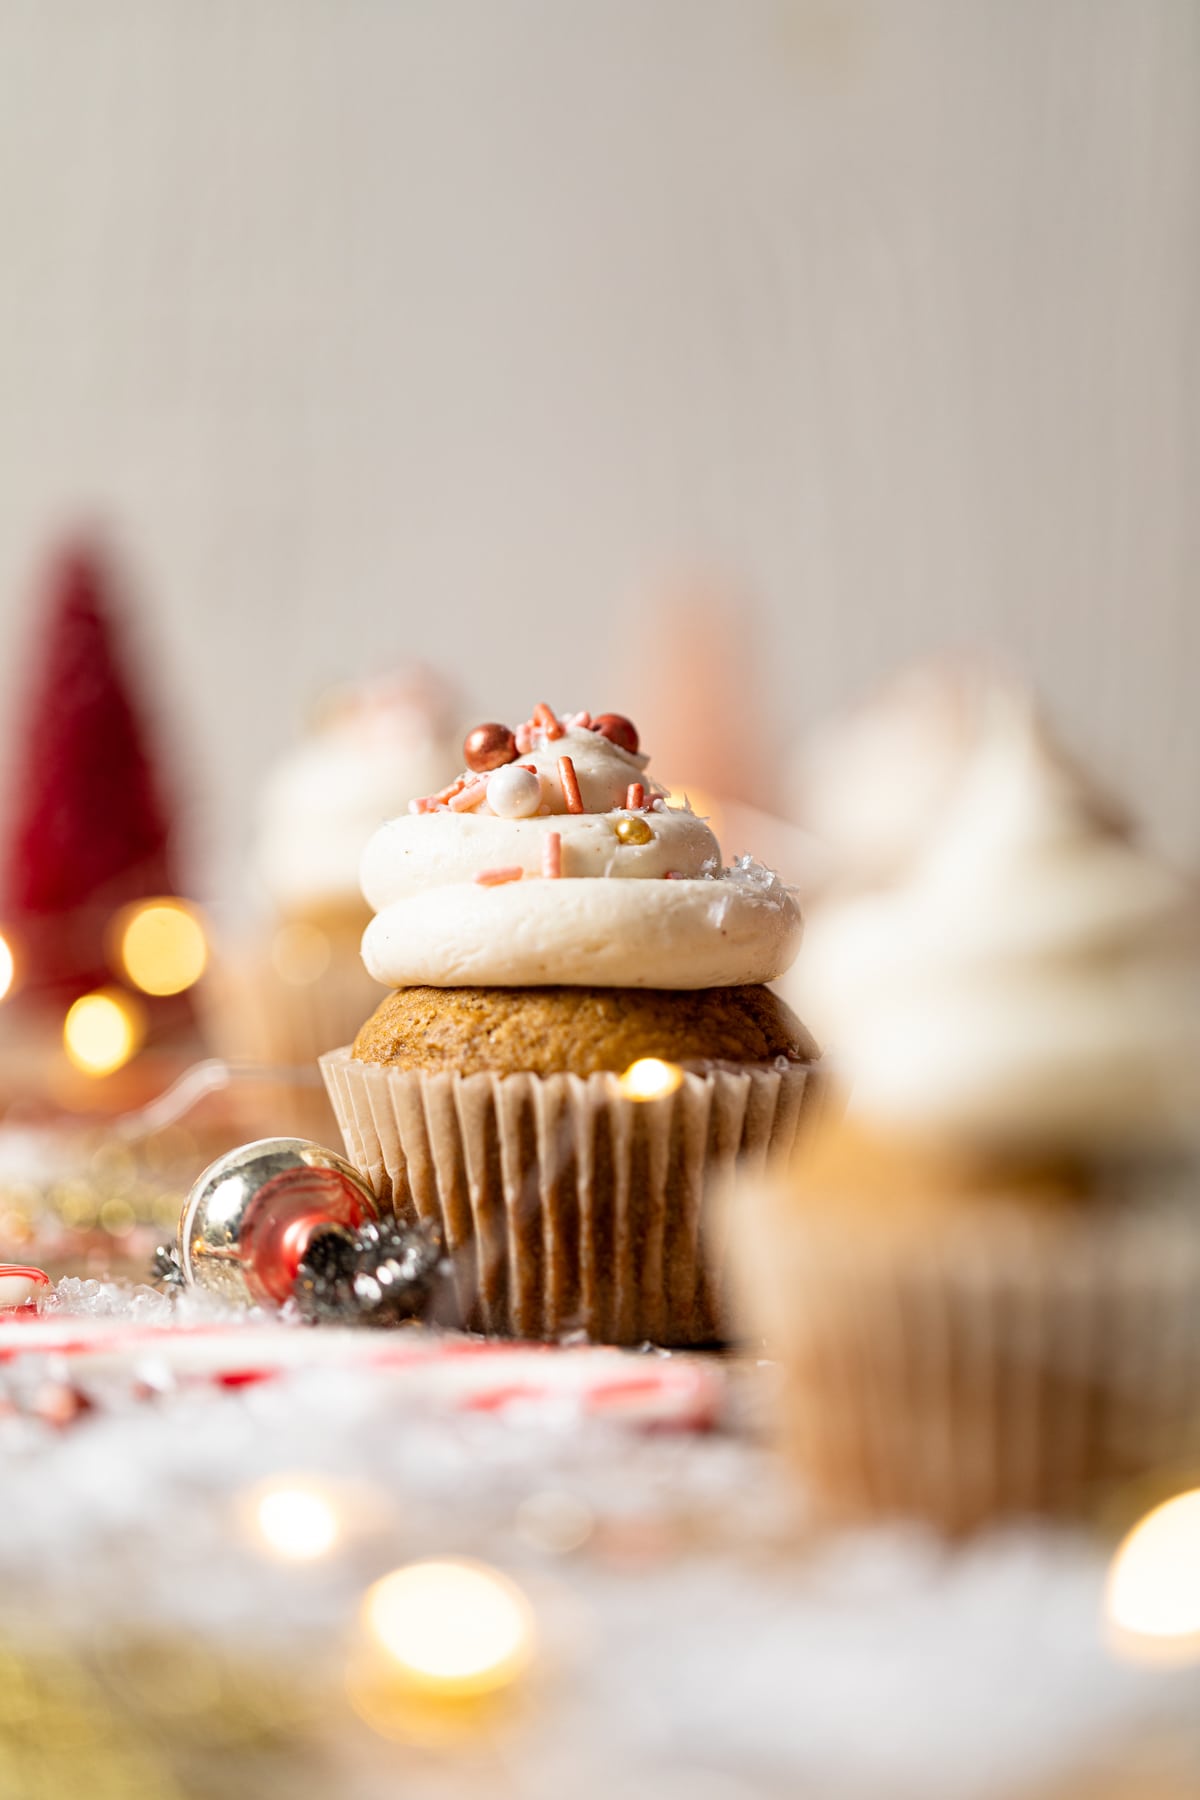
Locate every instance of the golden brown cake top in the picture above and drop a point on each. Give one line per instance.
(577, 1030)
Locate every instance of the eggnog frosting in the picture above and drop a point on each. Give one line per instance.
(1034, 977)
(555, 860)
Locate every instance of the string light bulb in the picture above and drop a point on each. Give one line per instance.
(452, 1629)
(649, 1078)
(1152, 1601)
(295, 1522)
(102, 1031)
(163, 948)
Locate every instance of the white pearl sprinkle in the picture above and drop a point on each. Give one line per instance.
(514, 792)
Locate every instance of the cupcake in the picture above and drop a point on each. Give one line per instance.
(868, 785)
(299, 987)
(577, 1038)
(983, 1281)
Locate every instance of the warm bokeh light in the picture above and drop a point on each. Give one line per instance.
(297, 1523)
(116, 1217)
(1153, 1597)
(163, 947)
(101, 1032)
(300, 953)
(702, 804)
(650, 1079)
(453, 1628)
(7, 967)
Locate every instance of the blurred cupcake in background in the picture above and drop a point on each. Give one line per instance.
(300, 987)
(982, 1281)
(869, 784)
(325, 797)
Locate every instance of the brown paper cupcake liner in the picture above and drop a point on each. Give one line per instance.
(1017, 1366)
(567, 1207)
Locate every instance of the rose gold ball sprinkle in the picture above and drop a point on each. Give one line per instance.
(489, 747)
(618, 730)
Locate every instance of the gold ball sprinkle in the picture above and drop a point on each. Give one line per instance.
(633, 831)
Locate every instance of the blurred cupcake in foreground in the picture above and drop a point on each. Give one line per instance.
(983, 1283)
(301, 988)
(578, 1035)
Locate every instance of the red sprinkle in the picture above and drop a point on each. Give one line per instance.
(635, 797)
(674, 875)
(543, 716)
(498, 877)
(570, 784)
(618, 730)
(552, 856)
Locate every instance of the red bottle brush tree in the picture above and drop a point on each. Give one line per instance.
(89, 829)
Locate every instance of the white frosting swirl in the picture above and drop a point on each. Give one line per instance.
(604, 771)
(1035, 979)
(660, 913)
(409, 855)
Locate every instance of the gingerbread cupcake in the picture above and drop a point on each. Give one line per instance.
(577, 1037)
(983, 1282)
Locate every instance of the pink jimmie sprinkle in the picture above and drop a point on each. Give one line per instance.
(552, 856)
(570, 785)
(498, 877)
(431, 802)
(468, 797)
(524, 737)
(674, 875)
(635, 797)
(544, 717)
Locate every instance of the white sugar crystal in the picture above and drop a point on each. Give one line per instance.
(688, 1647)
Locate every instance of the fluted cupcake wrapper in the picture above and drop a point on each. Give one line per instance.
(1017, 1365)
(566, 1206)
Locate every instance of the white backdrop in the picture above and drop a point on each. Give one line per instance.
(452, 325)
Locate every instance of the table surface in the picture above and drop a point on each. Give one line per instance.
(693, 1636)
